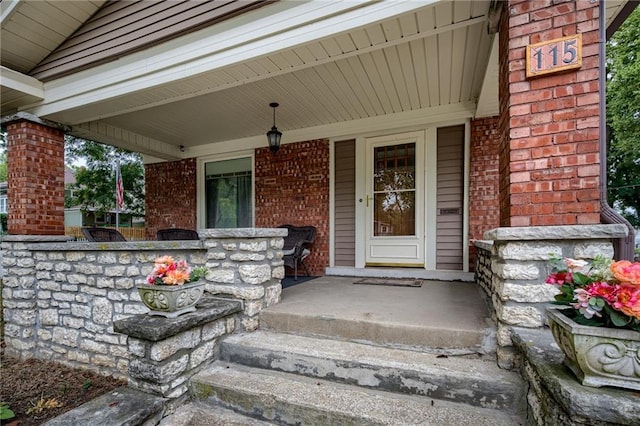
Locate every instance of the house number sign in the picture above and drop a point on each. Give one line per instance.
(554, 55)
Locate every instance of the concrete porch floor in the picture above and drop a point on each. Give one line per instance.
(446, 316)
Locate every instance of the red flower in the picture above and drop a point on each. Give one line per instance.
(559, 278)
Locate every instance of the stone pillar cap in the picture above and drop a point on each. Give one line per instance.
(562, 232)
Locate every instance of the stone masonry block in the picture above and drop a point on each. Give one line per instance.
(255, 274)
(163, 372)
(244, 292)
(201, 354)
(88, 268)
(591, 250)
(165, 348)
(527, 251)
(107, 258)
(250, 323)
(253, 307)
(102, 311)
(256, 246)
(24, 317)
(66, 337)
(278, 272)
(516, 271)
(222, 276)
(91, 346)
(75, 279)
(62, 267)
(137, 347)
(520, 315)
(525, 293)
(273, 293)
(247, 257)
(214, 330)
(277, 243)
(115, 271)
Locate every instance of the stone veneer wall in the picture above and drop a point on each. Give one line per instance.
(515, 280)
(61, 298)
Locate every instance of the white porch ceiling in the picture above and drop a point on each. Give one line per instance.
(383, 59)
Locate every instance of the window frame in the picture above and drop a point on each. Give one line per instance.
(201, 185)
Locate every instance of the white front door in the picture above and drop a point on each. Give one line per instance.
(394, 200)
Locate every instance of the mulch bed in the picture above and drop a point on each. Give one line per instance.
(37, 390)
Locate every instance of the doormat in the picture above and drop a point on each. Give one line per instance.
(396, 282)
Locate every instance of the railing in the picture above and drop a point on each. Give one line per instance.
(130, 234)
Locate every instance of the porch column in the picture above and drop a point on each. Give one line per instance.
(35, 188)
(549, 124)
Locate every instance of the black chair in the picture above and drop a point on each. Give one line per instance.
(173, 234)
(95, 234)
(296, 246)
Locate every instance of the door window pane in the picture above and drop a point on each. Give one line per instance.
(229, 194)
(394, 182)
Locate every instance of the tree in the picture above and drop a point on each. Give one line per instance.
(95, 183)
(623, 119)
(3, 166)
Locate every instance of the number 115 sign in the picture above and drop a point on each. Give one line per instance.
(556, 55)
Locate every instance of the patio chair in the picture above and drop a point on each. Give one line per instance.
(171, 234)
(296, 246)
(95, 234)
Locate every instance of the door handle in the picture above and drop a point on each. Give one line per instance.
(368, 198)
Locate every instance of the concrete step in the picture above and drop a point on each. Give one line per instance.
(200, 414)
(289, 399)
(470, 380)
(420, 318)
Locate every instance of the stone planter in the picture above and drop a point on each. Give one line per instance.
(598, 356)
(171, 300)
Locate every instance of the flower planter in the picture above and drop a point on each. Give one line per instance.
(171, 300)
(598, 356)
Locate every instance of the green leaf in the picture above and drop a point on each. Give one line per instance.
(581, 279)
(618, 319)
(5, 412)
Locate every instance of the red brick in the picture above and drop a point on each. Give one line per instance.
(170, 199)
(293, 197)
(35, 187)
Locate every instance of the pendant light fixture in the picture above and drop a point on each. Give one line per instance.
(274, 135)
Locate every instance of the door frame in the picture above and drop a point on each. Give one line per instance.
(413, 243)
(430, 185)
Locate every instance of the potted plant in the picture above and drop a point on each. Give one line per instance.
(173, 287)
(598, 330)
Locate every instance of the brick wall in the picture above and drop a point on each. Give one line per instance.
(170, 196)
(549, 146)
(292, 187)
(484, 196)
(35, 187)
(503, 122)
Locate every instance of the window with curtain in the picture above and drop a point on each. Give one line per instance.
(228, 194)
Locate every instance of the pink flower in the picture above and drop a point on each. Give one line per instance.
(583, 297)
(626, 272)
(574, 264)
(603, 290)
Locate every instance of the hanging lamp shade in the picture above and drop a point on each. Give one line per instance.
(274, 135)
